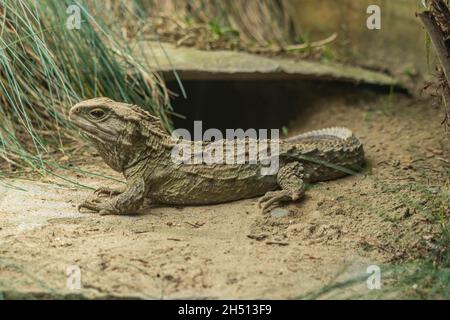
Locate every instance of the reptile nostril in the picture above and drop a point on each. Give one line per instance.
(74, 111)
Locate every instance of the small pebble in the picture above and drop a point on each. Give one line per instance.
(279, 213)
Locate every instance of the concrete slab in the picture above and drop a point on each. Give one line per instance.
(193, 64)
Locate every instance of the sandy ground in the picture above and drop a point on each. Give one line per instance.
(232, 251)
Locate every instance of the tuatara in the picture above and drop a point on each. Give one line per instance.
(133, 142)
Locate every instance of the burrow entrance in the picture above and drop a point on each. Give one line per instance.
(245, 104)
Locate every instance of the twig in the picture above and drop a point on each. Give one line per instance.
(437, 25)
(195, 225)
(277, 243)
(444, 160)
(315, 44)
(446, 101)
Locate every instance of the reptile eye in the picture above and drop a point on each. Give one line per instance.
(97, 113)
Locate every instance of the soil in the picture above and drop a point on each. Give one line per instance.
(383, 216)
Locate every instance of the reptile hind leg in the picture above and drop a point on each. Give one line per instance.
(290, 179)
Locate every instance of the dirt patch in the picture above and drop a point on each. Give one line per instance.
(230, 250)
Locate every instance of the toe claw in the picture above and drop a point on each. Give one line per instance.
(271, 197)
(102, 191)
(85, 205)
(107, 192)
(96, 205)
(90, 205)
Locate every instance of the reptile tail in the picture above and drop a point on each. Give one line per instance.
(337, 148)
(325, 134)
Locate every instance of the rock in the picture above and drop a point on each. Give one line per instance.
(194, 64)
(279, 213)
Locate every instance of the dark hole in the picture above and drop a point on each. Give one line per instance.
(251, 104)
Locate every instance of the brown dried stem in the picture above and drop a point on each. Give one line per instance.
(437, 24)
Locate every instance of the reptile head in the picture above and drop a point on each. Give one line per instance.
(117, 129)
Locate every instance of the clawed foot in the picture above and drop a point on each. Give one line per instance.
(96, 206)
(271, 197)
(107, 192)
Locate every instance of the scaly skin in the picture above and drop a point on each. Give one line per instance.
(133, 142)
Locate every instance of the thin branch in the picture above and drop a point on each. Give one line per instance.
(438, 39)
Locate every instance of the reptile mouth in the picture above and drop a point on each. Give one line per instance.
(91, 129)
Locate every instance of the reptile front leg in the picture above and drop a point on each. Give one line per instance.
(128, 202)
(290, 179)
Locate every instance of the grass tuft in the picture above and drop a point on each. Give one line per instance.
(46, 67)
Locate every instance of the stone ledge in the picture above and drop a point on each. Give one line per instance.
(194, 64)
